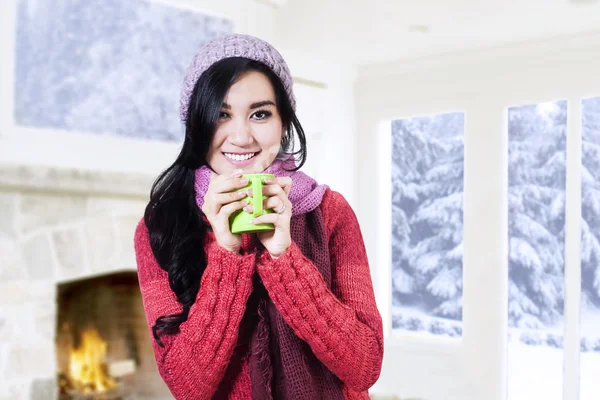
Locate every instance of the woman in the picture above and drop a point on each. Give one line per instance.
(285, 314)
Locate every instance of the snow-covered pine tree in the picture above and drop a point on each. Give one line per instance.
(536, 170)
(411, 153)
(427, 182)
(590, 203)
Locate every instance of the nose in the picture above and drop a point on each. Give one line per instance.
(241, 134)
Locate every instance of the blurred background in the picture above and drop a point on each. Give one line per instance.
(465, 134)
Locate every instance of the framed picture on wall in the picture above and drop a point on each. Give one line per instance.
(106, 67)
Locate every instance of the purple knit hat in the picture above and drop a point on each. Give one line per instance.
(236, 45)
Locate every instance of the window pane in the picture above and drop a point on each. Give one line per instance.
(536, 212)
(427, 226)
(590, 250)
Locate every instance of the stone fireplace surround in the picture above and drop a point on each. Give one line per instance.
(56, 225)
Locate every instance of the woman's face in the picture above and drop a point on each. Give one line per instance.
(249, 130)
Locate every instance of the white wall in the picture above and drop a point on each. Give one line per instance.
(482, 84)
(23, 145)
(327, 114)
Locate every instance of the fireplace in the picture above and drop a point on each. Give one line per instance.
(102, 341)
(72, 324)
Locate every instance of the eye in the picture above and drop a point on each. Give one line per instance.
(223, 115)
(261, 114)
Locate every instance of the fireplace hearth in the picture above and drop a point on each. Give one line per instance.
(72, 324)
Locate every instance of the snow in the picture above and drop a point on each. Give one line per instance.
(590, 371)
(402, 281)
(536, 372)
(418, 321)
(427, 242)
(446, 284)
(106, 66)
(521, 250)
(427, 207)
(536, 214)
(590, 323)
(536, 293)
(590, 360)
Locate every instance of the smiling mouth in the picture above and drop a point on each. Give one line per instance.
(240, 157)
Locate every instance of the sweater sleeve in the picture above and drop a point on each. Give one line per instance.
(342, 326)
(193, 362)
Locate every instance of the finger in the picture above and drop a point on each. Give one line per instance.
(272, 190)
(228, 185)
(284, 181)
(222, 199)
(279, 199)
(230, 208)
(279, 220)
(217, 178)
(275, 200)
(274, 203)
(220, 222)
(214, 201)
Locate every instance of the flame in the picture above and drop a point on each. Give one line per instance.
(86, 367)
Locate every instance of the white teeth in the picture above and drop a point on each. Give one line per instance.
(239, 157)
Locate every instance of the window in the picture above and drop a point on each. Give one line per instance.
(536, 229)
(427, 224)
(590, 249)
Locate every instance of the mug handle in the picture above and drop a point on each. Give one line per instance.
(257, 197)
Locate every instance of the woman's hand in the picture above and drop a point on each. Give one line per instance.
(220, 202)
(279, 240)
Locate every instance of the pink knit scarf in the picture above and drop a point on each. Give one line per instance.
(306, 194)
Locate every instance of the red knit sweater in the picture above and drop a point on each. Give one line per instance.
(208, 359)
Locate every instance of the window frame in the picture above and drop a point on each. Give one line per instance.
(483, 85)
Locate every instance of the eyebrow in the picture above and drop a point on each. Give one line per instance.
(253, 105)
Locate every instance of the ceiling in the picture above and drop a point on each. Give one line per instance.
(364, 32)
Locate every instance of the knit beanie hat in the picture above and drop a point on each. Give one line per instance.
(235, 45)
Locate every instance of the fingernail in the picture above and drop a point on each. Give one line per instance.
(250, 192)
(253, 221)
(248, 209)
(268, 180)
(244, 181)
(236, 173)
(245, 202)
(242, 193)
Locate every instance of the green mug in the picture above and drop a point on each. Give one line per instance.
(241, 221)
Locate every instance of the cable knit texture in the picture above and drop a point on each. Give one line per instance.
(339, 321)
(236, 45)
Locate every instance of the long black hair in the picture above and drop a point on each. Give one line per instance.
(173, 218)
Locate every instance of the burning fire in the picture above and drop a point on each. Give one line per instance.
(87, 370)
